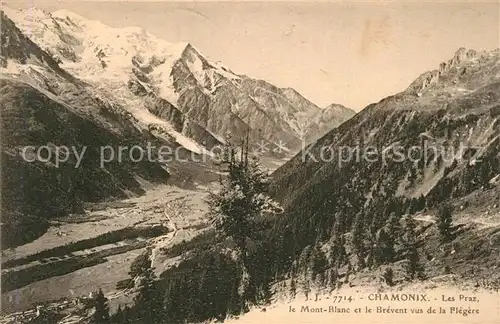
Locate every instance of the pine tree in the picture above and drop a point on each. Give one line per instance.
(389, 276)
(348, 272)
(306, 286)
(384, 249)
(444, 222)
(394, 231)
(147, 301)
(319, 262)
(140, 265)
(243, 199)
(394, 226)
(338, 252)
(439, 163)
(332, 278)
(414, 267)
(318, 266)
(421, 202)
(293, 288)
(306, 266)
(101, 314)
(358, 238)
(371, 250)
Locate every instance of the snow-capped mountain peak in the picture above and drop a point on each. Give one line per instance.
(168, 84)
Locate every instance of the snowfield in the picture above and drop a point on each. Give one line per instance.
(104, 57)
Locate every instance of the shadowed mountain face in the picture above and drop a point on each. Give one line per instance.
(44, 106)
(173, 86)
(451, 113)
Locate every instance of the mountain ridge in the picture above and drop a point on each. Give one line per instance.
(133, 66)
(456, 115)
(327, 119)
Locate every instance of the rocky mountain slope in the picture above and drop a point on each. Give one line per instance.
(372, 168)
(44, 106)
(444, 108)
(172, 86)
(325, 120)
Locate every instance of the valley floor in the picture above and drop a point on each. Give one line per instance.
(181, 211)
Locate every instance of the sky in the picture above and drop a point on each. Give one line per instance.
(351, 53)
